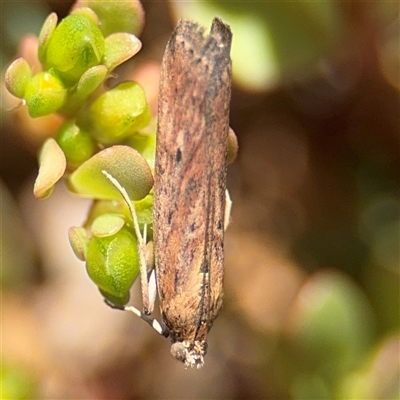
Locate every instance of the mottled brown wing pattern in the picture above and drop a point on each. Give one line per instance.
(190, 178)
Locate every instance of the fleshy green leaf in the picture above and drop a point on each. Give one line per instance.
(112, 262)
(87, 13)
(119, 301)
(144, 210)
(100, 207)
(17, 76)
(119, 113)
(116, 15)
(47, 31)
(52, 164)
(76, 45)
(77, 144)
(233, 146)
(145, 144)
(78, 239)
(120, 47)
(107, 225)
(44, 94)
(90, 81)
(125, 164)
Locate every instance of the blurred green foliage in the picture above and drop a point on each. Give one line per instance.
(17, 384)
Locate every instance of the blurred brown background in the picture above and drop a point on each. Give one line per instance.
(311, 307)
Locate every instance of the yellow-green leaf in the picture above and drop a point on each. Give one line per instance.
(52, 164)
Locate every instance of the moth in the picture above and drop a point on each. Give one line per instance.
(191, 208)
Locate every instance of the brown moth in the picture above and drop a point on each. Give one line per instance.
(191, 205)
(190, 184)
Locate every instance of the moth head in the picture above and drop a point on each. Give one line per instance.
(190, 353)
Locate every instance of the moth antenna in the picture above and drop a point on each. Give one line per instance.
(148, 308)
(128, 202)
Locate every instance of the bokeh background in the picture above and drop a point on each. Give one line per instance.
(311, 305)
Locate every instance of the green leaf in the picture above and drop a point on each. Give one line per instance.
(77, 144)
(116, 300)
(233, 146)
(47, 31)
(120, 47)
(52, 164)
(125, 164)
(87, 13)
(89, 82)
(17, 76)
(107, 225)
(144, 210)
(116, 15)
(100, 207)
(76, 45)
(44, 94)
(145, 144)
(119, 113)
(112, 262)
(78, 239)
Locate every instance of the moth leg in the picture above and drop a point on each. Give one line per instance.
(141, 240)
(152, 287)
(146, 264)
(159, 328)
(228, 209)
(151, 276)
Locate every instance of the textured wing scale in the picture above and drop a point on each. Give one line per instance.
(190, 178)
